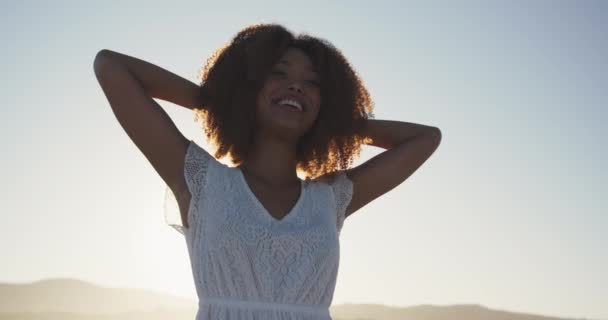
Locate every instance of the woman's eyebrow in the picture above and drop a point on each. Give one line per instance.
(311, 68)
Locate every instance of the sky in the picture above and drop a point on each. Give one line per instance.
(509, 212)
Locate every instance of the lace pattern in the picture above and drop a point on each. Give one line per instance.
(342, 188)
(196, 162)
(246, 265)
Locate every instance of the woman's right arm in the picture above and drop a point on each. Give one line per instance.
(129, 85)
(158, 82)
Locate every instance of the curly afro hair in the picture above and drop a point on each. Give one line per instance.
(234, 74)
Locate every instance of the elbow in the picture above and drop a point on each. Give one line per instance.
(436, 133)
(98, 61)
(101, 59)
(433, 134)
(103, 53)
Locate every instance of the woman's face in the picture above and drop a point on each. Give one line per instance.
(289, 101)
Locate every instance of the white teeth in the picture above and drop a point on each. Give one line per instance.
(291, 102)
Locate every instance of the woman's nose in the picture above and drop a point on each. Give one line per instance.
(295, 86)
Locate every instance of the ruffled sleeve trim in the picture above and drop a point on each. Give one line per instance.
(196, 162)
(342, 189)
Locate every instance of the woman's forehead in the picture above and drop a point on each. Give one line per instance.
(297, 57)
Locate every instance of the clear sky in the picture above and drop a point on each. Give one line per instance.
(510, 211)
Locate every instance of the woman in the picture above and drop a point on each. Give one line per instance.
(263, 243)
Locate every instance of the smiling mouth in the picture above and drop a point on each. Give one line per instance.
(289, 104)
(287, 108)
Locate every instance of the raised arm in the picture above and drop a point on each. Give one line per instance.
(130, 84)
(408, 146)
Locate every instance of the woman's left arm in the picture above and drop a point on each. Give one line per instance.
(408, 146)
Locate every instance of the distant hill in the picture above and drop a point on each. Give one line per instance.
(429, 312)
(76, 296)
(72, 299)
(161, 314)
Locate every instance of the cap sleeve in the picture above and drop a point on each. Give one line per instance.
(342, 190)
(196, 162)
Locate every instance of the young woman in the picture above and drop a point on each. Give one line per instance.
(263, 243)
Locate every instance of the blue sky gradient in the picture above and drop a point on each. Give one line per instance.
(510, 211)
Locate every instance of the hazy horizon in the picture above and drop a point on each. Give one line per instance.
(67, 298)
(509, 212)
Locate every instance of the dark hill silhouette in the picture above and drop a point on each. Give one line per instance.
(431, 312)
(77, 296)
(73, 299)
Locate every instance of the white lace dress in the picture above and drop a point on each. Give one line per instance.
(246, 264)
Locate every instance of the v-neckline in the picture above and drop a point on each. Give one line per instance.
(266, 214)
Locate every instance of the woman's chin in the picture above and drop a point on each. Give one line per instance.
(285, 123)
(286, 128)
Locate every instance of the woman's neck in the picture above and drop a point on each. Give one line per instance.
(272, 162)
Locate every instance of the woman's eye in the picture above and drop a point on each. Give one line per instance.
(314, 83)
